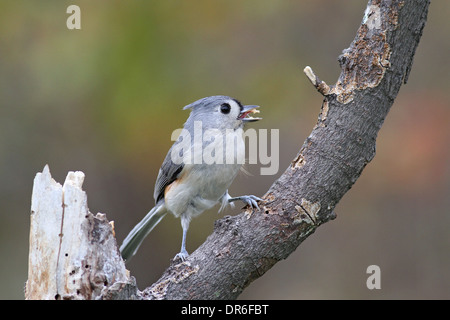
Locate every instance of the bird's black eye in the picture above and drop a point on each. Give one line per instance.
(225, 108)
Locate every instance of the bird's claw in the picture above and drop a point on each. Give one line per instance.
(249, 200)
(182, 255)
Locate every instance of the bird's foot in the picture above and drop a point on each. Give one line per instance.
(182, 255)
(250, 200)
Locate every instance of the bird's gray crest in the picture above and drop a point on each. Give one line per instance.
(207, 101)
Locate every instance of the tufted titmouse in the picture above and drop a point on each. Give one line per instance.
(189, 182)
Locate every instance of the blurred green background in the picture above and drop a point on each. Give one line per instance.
(105, 100)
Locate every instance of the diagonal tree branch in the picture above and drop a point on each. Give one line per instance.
(243, 247)
(76, 257)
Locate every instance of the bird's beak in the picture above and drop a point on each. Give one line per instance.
(246, 110)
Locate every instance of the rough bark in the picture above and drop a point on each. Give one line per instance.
(243, 247)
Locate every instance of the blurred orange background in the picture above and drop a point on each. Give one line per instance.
(105, 100)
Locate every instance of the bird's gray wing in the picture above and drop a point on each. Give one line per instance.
(168, 173)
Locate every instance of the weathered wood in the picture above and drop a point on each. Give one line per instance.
(73, 254)
(45, 228)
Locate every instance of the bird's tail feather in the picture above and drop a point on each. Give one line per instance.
(134, 239)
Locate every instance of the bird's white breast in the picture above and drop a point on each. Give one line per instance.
(203, 184)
